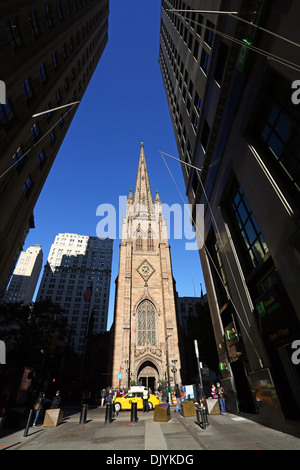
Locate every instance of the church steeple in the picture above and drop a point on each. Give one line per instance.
(142, 193)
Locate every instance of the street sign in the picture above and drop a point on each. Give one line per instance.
(119, 375)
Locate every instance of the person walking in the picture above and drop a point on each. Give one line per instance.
(200, 395)
(103, 395)
(145, 401)
(177, 395)
(39, 407)
(221, 397)
(213, 392)
(56, 401)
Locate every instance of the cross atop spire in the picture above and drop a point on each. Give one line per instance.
(142, 193)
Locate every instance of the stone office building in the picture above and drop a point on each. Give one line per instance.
(236, 120)
(49, 51)
(77, 277)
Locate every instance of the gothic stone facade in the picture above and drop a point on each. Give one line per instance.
(145, 336)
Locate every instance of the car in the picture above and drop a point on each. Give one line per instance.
(124, 403)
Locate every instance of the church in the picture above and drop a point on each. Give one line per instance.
(144, 333)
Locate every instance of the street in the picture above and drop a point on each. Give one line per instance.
(179, 436)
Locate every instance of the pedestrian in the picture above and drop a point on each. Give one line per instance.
(145, 400)
(255, 401)
(39, 407)
(177, 395)
(182, 394)
(56, 400)
(103, 395)
(200, 395)
(213, 391)
(221, 398)
(111, 400)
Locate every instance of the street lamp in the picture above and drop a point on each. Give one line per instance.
(174, 370)
(127, 362)
(168, 372)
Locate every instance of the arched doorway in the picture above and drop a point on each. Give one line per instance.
(147, 375)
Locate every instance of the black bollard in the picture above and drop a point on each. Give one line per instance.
(108, 413)
(198, 411)
(202, 419)
(133, 413)
(28, 423)
(83, 414)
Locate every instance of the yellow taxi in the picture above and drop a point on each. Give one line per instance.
(124, 403)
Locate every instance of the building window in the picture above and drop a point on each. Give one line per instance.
(204, 61)
(59, 10)
(196, 49)
(48, 115)
(138, 240)
(35, 131)
(248, 228)
(146, 324)
(150, 246)
(13, 32)
(195, 121)
(27, 186)
(64, 52)
(275, 127)
(220, 62)
(41, 158)
(18, 156)
(43, 76)
(209, 35)
(27, 91)
(197, 103)
(277, 132)
(205, 135)
(52, 137)
(199, 24)
(48, 15)
(6, 113)
(58, 97)
(54, 61)
(33, 23)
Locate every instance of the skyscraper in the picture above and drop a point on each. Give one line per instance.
(144, 331)
(77, 277)
(49, 51)
(25, 276)
(230, 84)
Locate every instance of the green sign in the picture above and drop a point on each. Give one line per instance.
(266, 306)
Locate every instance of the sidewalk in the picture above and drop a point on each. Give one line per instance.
(230, 432)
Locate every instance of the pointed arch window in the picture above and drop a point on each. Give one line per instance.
(150, 246)
(146, 324)
(138, 240)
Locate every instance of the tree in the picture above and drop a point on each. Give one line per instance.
(27, 330)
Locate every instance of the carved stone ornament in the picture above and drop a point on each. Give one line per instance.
(145, 270)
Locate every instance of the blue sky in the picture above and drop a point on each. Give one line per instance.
(124, 105)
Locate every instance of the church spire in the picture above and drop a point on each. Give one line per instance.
(142, 193)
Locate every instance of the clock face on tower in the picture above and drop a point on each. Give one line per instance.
(145, 270)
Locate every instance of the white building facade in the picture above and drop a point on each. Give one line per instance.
(25, 276)
(77, 264)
